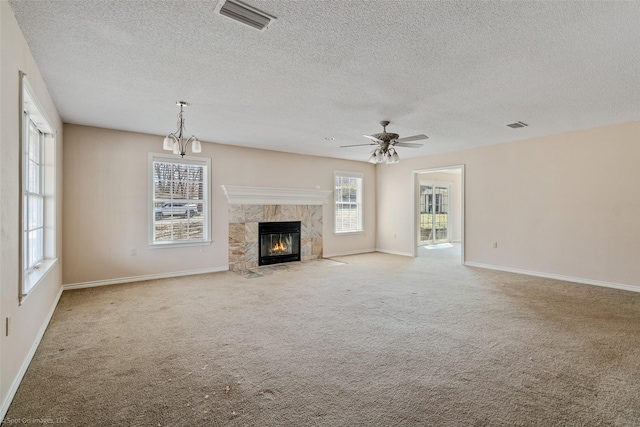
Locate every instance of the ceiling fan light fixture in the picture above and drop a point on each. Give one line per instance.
(386, 143)
(395, 158)
(374, 156)
(387, 158)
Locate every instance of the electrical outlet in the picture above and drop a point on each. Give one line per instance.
(133, 252)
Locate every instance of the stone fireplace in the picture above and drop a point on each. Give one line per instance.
(250, 206)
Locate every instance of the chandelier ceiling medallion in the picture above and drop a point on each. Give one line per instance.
(176, 141)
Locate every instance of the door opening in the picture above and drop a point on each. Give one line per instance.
(439, 208)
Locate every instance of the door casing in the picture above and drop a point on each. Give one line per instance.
(416, 205)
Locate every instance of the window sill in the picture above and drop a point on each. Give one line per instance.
(35, 276)
(348, 233)
(168, 245)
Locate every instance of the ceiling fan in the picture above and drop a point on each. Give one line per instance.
(386, 143)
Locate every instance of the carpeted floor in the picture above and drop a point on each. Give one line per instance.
(363, 340)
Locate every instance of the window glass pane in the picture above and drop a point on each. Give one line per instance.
(31, 173)
(196, 191)
(162, 189)
(163, 231)
(196, 228)
(34, 143)
(34, 254)
(352, 190)
(35, 213)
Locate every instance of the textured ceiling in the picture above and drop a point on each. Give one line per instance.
(456, 71)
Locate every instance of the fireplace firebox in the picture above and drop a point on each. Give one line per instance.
(279, 242)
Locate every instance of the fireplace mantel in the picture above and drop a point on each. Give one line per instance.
(241, 195)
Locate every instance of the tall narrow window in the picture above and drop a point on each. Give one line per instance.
(33, 198)
(180, 200)
(37, 185)
(348, 202)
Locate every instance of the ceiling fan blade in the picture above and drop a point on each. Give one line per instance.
(407, 145)
(412, 138)
(373, 138)
(357, 145)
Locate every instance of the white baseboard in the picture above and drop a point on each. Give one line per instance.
(330, 255)
(622, 286)
(27, 360)
(395, 252)
(142, 278)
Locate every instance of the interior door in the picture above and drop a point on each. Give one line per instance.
(434, 213)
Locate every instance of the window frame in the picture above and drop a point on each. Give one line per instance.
(33, 116)
(206, 200)
(359, 201)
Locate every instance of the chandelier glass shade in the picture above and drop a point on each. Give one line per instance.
(386, 154)
(176, 141)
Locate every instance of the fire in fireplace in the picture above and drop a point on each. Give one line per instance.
(279, 242)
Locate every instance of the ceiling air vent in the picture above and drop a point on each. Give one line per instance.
(245, 14)
(517, 125)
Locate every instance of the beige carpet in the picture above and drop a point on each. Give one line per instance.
(380, 340)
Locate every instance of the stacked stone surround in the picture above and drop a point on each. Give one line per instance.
(243, 231)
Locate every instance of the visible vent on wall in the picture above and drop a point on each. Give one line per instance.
(517, 125)
(245, 14)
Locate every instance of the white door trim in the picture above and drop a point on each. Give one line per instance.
(416, 205)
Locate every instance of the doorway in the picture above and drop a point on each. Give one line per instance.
(439, 209)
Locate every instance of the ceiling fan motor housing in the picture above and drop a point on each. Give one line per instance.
(385, 136)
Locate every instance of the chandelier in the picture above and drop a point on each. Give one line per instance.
(176, 141)
(384, 154)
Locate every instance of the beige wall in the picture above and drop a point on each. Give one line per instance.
(564, 205)
(107, 195)
(29, 319)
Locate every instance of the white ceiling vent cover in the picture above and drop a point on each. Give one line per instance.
(245, 14)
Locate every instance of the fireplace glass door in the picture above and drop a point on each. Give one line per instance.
(279, 242)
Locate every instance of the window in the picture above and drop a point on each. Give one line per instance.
(33, 197)
(348, 202)
(37, 186)
(180, 200)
